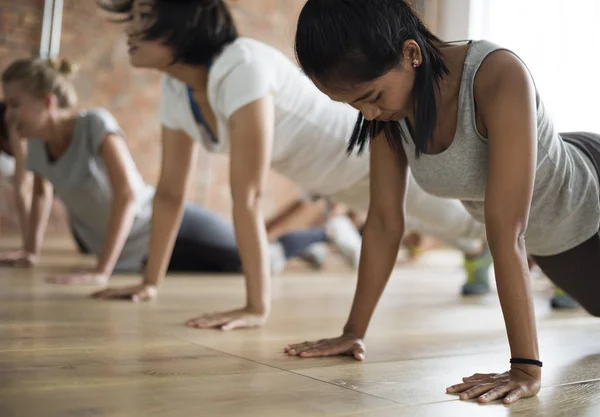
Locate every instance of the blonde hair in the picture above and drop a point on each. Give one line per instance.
(44, 76)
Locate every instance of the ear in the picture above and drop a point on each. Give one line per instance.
(411, 51)
(50, 101)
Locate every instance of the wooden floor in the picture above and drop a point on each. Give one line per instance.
(64, 355)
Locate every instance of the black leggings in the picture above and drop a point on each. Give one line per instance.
(206, 243)
(577, 271)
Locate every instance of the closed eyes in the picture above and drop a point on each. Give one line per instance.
(376, 99)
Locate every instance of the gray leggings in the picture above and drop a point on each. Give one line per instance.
(577, 271)
(206, 243)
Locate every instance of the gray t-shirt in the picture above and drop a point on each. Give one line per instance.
(80, 180)
(565, 209)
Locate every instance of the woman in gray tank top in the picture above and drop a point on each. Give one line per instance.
(468, 121)
(83, 157)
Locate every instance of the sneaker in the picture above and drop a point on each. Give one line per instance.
(315, 255)
(562, 301)
(478, 273)
(344, 236)
(277, 258)
(412, 242)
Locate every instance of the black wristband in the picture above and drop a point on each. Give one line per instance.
(523, 361)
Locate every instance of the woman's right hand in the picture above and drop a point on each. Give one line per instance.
(346, 344)
(18, 259)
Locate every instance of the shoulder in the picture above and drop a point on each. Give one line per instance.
(241, 51)
(97, 124)
(502, 76)
(98, 115)
(245, 71)
(245, 57)
(171, 86)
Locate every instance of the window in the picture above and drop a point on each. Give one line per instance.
(558, 41)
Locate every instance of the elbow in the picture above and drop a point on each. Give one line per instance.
(246, 199)
(392, 224)
(125, 197)
(170, 195)
(41, 191)
(506, 237)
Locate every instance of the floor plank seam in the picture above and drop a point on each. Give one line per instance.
(566, 384)
(296, 373)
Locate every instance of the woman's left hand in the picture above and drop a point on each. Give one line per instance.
(511, 385)
(135, 293)
(79, 278)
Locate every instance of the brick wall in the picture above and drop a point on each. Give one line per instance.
(106, 79)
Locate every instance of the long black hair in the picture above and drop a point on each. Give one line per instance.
(196, 30)
(355, 41)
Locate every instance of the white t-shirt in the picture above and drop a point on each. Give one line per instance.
(311, 130)
(7, 165)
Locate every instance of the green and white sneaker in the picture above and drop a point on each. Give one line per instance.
(478, 273)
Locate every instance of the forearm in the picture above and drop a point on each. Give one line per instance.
(40, 212)
(379, 252)
(166, 218)
(514, 291)
(24, 214)
(119, 227)
(252, 243)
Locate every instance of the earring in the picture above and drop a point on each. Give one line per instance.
(415, 63)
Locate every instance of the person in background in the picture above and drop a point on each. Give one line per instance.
(82, 155)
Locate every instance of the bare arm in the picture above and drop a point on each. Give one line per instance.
(382, 234)
(510, 118)
(22, 186)
(41, 206)
(506, 100)
(114, 152)
(179, 157)
(251, 132)
(178, 161)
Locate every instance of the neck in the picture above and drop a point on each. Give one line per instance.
(59, 132)
(196, 76)
(454, 58)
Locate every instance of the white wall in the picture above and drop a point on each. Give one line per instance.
(453, 19)
(558, 41)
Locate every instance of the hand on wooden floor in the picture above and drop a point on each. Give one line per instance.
(18, 259)
(79, 278)
(229, 320)
(135, 293)
(511, 385)
(348, 345)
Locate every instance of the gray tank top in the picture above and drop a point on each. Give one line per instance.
(565, 209)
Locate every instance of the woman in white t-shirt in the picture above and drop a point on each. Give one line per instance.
(82, 156)
(240, 97)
